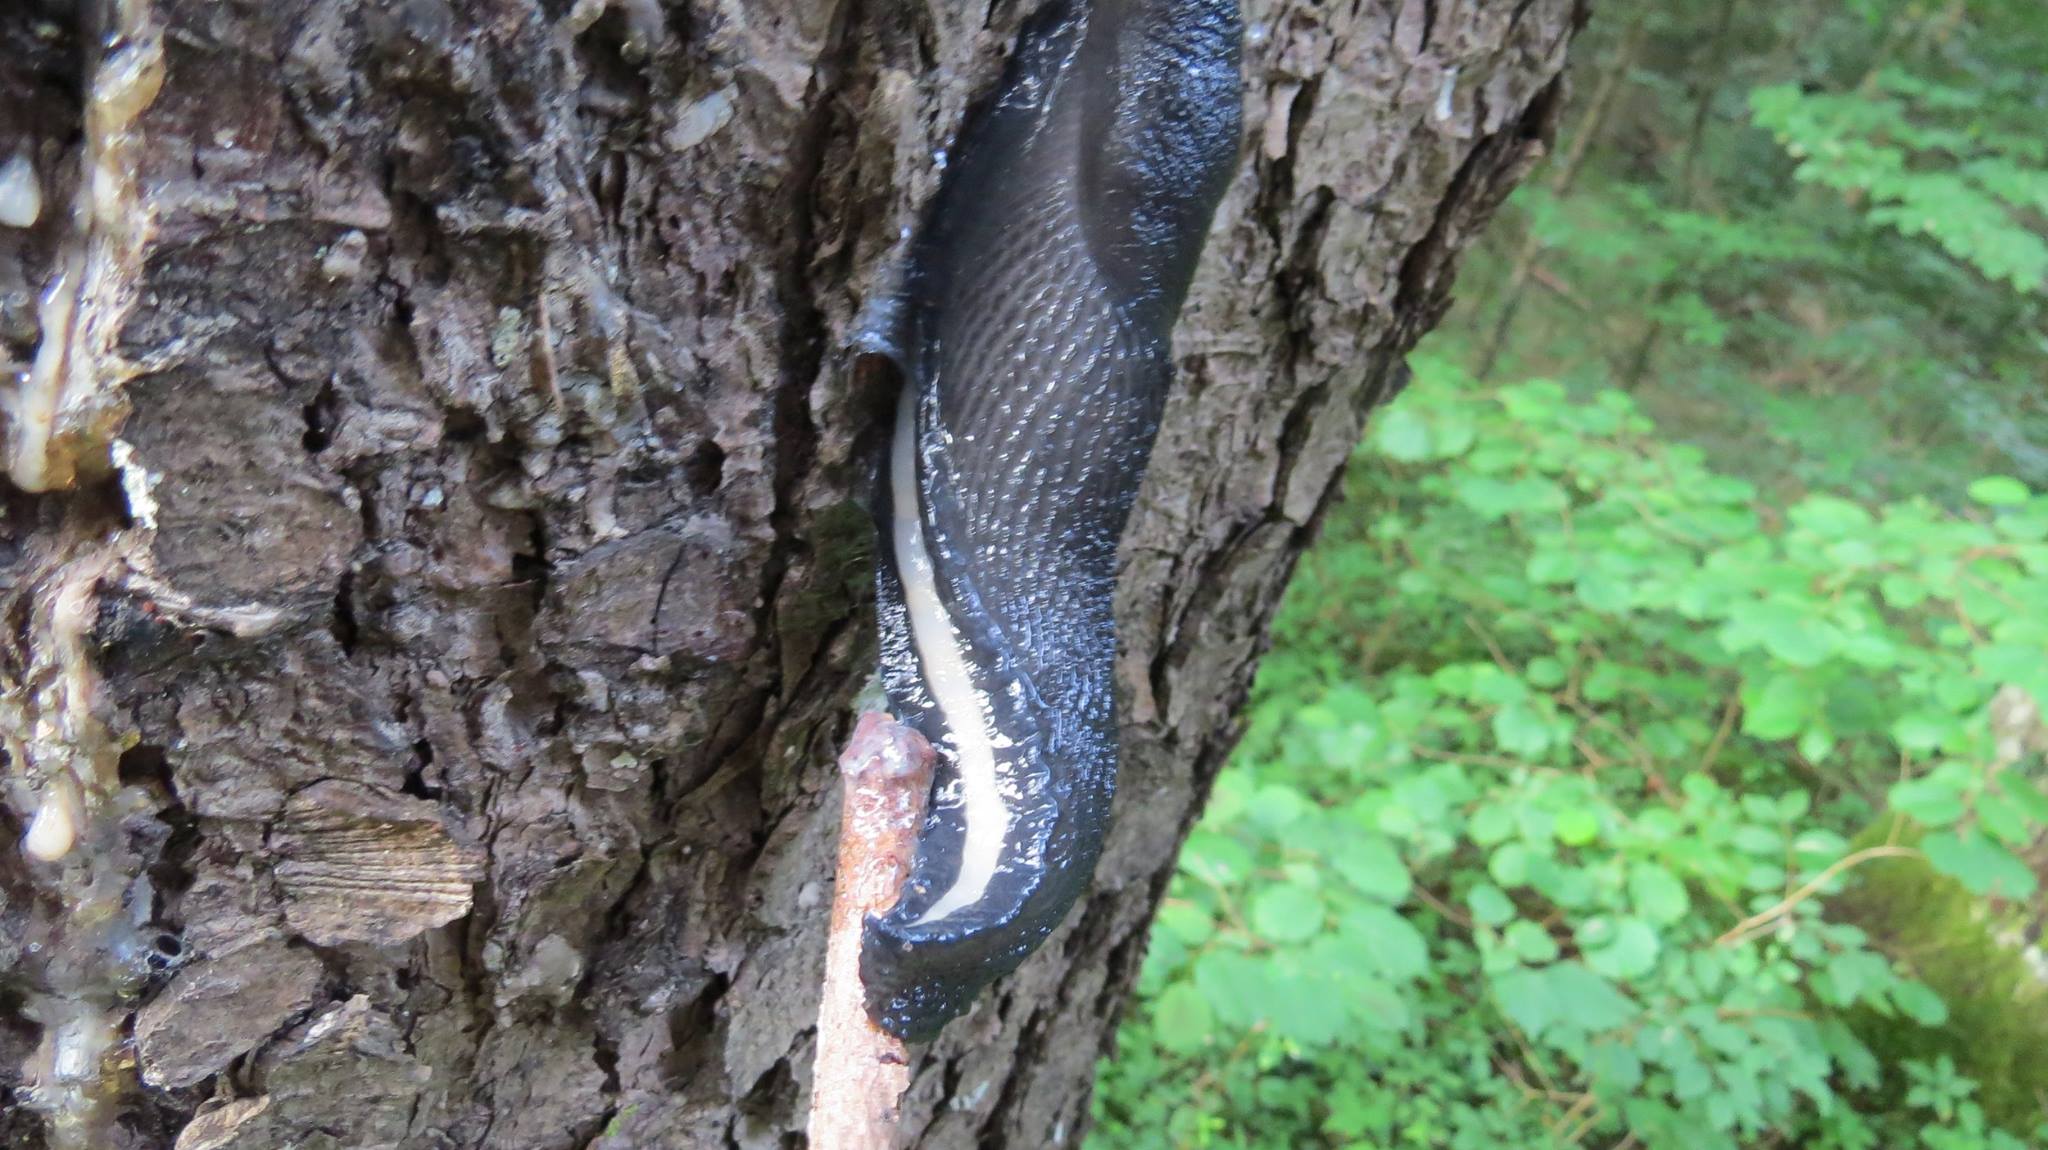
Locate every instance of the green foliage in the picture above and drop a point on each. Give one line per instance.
(1551, 776)
(1923, 161)
(1621, 775)
(1996, 999)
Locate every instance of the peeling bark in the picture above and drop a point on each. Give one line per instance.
(470, 461)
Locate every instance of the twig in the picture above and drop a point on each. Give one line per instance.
(1442, 907)
(862, 1070)
(1500, 657)
(1730, 708)
(1749, 927)
(1586, 1112)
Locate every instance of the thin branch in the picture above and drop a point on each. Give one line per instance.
(1730, 708)
(1754, 924)
(862, 1070)
(1441, 907)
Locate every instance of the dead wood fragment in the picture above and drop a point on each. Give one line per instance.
(365, 865)
(862, 1070)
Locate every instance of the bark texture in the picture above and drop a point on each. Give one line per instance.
(454, 574)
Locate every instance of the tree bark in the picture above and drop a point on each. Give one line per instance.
(451, 573)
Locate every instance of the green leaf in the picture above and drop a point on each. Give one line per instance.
(1552, 568)
(1918, 1002)
(1276, 806)
(1564, 993)
(1188, 924)
(1630, 953)
(1301, 1001)
(1807, 643)
(1758, 840)
(1388, 942)
(1789, 629)
(1577, 826)
(2004, 821)
(1658, 895)
(1528, 999)
(1216, 859)
(1491, 824)
(1287, 912)
(1830, 516)
(1401, 434)
(1922, 732)
(1509, 865)
(1614, 1067)
(1530, 942)
(1521, 730)
(1979, 864)
(1545, 673)
(1931, 802)
(1495, 498)
(1606, 683)
(2018, 663)
(2024, 796)
(1182, 1018)
(1854, 975)
(1371, 864)
(1604, 593)
(1778, 707)
(1231, 983)
(1999, 491)
(1533, 598)
(1489, 906)
(1903, 592)
(1380, 1005)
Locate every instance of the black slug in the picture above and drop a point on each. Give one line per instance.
(1032, 335)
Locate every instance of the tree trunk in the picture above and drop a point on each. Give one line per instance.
(1982, 955)
(448, 571)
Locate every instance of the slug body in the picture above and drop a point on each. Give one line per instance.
(1033, 337)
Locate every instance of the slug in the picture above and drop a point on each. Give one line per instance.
(1032, 334)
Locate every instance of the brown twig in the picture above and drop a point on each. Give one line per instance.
(1443, 908)
(1730, 708)
(862, 1070)
(1750, 927)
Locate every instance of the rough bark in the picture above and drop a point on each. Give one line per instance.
(454, 574)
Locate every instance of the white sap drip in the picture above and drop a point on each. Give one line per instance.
(939, 649)
(21, 196)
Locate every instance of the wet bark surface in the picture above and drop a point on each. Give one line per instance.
(456, 570)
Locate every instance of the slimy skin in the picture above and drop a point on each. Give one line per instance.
(1033, 338)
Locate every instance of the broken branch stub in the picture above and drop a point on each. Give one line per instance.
(862, 1070)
